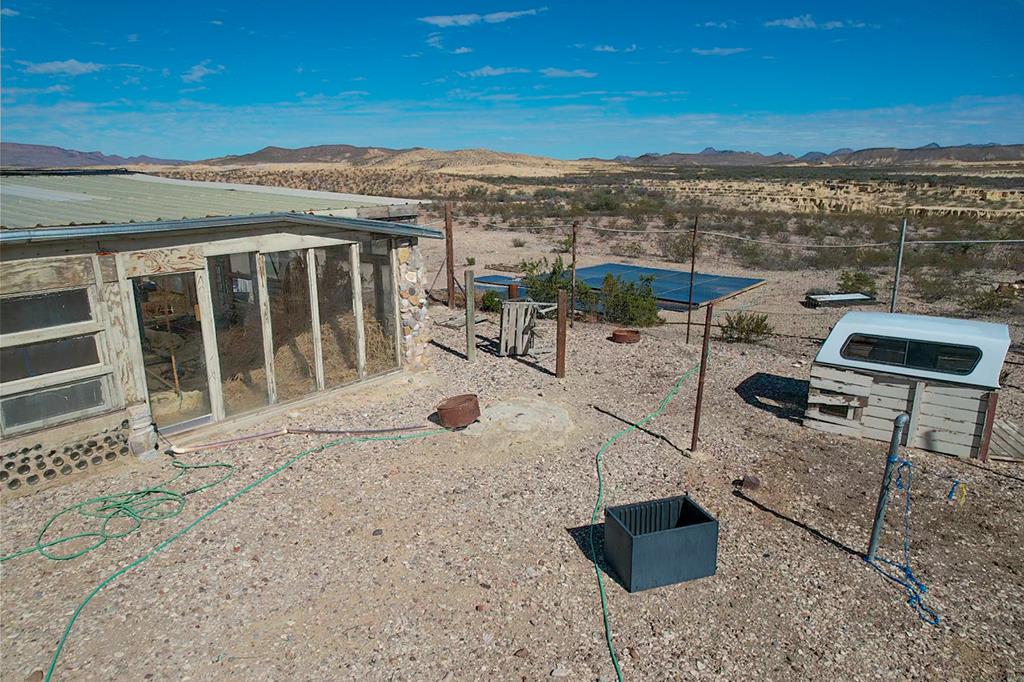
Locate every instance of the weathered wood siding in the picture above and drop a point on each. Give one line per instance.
(944, 417)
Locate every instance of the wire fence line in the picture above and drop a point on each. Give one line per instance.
(794, 245)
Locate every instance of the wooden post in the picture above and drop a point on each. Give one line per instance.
(355, 266)
(560, 343)
(986, 434)
(693, 267)
(700, 380)
(513, 291)
(314, 314)
(268, 334)
(572, 310)
(449, 253)
(470, 316)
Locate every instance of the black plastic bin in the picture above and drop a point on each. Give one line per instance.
(662, 542)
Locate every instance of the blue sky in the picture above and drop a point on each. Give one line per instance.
(195, 80)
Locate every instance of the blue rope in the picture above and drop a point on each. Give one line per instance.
(903, 575)
(952, 490)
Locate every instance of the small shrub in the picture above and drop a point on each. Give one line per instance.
(470, 261)
(563, 245)
(518, 243)
(491, 302)
(629, 303)
(542, 284)
(746, 328)
(678, 248)
(988, 301)
(629, 249)
(851, 282)
(932, 288)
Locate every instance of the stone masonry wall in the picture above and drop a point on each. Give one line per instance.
(414, 309)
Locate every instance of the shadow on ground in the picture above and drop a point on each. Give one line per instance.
(581, 536)
(799, 524)
(788, 396)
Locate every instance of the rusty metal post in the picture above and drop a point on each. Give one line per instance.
(700, 380)
(560, 343)
(898, 424)
(449, 253)
(693, 267)
(513, 291)
(470, 316)
(572, 309)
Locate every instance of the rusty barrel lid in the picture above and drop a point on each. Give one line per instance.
(458, 411)
(626, 336)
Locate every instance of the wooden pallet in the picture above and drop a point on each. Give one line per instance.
(1007, 441)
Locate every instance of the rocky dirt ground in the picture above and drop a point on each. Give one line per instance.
(465, 555)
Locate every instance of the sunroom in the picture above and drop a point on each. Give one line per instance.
(122, 331)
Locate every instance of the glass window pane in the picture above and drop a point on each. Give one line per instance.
(173, 353)
(44, 357)
(38, 311)
(942, 358)
(51, 402)
(378, 307)
(291, 321)
(875, 349)
(236, 313)
(337, 323)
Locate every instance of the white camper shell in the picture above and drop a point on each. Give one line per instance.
(943, 372)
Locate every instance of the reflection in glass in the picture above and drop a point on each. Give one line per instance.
(337, 322)
(291, 322)
(378, 307)
(236, 312)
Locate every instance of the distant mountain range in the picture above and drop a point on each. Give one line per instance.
(17, 155)
(928, 155)
(14, 154)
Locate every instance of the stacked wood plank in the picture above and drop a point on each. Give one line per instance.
(1007, 441)
(946, 418)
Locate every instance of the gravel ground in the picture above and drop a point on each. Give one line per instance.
(459, 556)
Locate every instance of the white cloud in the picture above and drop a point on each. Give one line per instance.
(449, 20)
(8, 12)
(132, 37)
(719, 51)
(806, 21)
(216, 22)
(201, 71)
(564, 73)
(487, 71)
(612, 48)
(716, 24)
(69, 67)
(435, 40)
(462, 50)
(53, 89)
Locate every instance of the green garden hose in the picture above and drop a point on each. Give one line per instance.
(207, 514)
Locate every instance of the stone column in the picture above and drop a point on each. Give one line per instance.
(414, 309)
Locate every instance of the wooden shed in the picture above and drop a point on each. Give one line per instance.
(943, 372)
(133, 305)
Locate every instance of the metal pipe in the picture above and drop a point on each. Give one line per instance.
(883, 496)
(572, 309)
(899, 266)
(560, 336)
(470, 317)
(693, 266)
(700, 380)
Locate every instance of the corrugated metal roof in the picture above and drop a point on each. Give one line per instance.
(28, 201)
(50, 234)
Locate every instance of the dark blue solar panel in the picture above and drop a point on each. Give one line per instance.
(671, 286)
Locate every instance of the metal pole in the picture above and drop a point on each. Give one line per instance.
(700, 381)
(450, 253)
(560, 343)
(470, 316)
(883, 496)
(572, 314)
(693, 266)
(513, 291)
(899, 266)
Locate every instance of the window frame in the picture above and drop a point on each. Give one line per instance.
(906, 353)
(102, 369)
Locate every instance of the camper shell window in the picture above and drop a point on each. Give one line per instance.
(927, 355)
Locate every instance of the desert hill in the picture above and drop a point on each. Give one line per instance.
(18, 155)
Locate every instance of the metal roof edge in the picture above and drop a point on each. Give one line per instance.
(52, 234)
